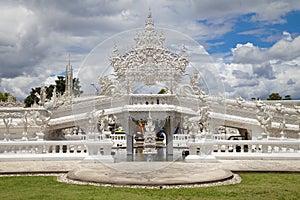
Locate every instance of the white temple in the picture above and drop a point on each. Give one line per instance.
(185, 118)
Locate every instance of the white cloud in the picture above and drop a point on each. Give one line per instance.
(20, 86)
(257, 72)
(36, 36)
(286, 49)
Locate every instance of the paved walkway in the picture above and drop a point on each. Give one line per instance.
(150, 173)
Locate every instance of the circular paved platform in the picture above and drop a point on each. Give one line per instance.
(148, 173)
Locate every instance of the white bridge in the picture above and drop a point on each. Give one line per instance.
(186, 117)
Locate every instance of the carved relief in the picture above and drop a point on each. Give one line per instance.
(264, 116)
(149, 62)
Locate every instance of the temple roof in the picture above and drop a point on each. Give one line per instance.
(149, 61)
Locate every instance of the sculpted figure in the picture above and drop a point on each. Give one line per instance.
(42, 120)
(204, 117)
(240, 101)
(107, 87)
(43, 95)
(195, 81)
(263, 116)
(92, 121)
(8, 123)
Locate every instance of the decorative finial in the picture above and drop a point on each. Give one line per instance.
(69, 60)
(149, 21)
(149, 13)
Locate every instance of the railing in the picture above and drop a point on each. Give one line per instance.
(151, 99)
(42, 147)
(180, 140)
(229, 149)
(119, 140)
(257, 146)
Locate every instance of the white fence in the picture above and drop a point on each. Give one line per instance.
(42, 150)
(77, 150)
(257, 146)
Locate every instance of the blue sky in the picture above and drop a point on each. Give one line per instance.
(260, 34)
(255, 44)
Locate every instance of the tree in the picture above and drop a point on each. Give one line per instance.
(287, 97)
(60, 85)
(274, 96)
(162, 91)
(4, 96)
(32, 98)
(76, 87)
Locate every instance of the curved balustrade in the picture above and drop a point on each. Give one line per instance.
(151, 99)
(60, 150)
(42, 147)
(257, 146)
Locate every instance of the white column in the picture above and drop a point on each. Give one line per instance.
(129, 141)
(169, 134)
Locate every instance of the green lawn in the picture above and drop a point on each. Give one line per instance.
(253, 186)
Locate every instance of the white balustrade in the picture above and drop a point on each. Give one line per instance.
(180, 140)
(119, 140)
(77, 148)
(257, 146)
(42, 147)
(151, 99)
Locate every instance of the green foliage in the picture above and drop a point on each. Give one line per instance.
(162, 91)
(274, 96)
(60, 85)
(76, 87)
(32, 98)
(253, 186)
(4, 96)
(287, 97)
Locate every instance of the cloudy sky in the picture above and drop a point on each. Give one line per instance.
(255, 44)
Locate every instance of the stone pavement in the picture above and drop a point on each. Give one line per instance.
(150, 173)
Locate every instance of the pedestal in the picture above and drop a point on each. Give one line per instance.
(201, 158)
(282, 135)
(149, 156)
(264, 135)
(6, 136)
(24, 136)
(99, 151)
(201, 151)
(40, 136)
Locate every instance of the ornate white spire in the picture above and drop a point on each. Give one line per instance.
(149, 22)
(69, 79)
(149, 37)
(149, 62)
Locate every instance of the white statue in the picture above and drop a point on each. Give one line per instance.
(195, 81)
(25, 121)
(8, 123)
(43, 95)
(149, 138)
(107, 87)
(186, 125)
(7, 118)
(222, 132)
(240, 101)
(42, 120)
(54, 96)
(202, 95)
(204, 118)
(92, 121)
(263, 116)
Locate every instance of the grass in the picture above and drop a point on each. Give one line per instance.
(254, 186)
